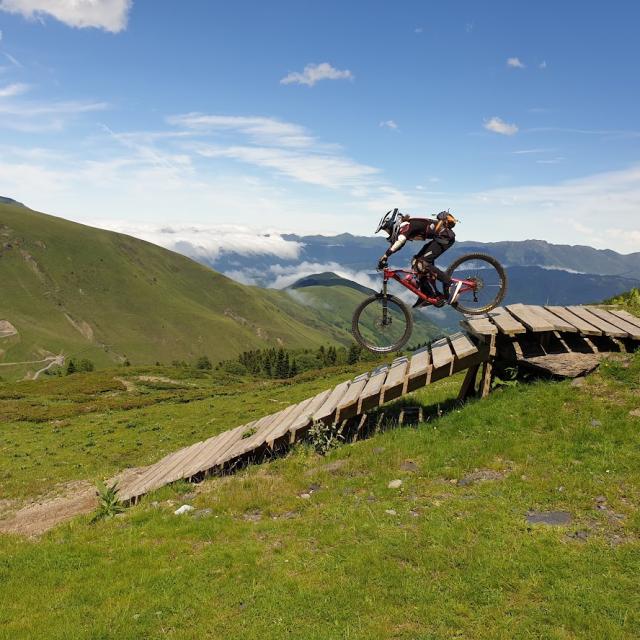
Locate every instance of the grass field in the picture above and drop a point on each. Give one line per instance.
(321, 547)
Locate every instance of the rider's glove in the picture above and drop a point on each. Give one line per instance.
(382, 263)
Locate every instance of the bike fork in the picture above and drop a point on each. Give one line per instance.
(385, 311)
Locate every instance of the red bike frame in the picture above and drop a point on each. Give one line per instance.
(409, 281)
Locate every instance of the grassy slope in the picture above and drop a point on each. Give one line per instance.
(141, 301)
(87, 426)
(454, 561)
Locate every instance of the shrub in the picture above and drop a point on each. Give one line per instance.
(108, 503)
(325, 437)
(204, 364)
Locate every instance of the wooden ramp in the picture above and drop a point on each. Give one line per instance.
(520, 333)
(347, 400)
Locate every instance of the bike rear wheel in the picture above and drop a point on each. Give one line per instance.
(382, 324)
(488, 277)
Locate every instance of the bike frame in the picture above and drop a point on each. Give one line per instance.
(407, 279)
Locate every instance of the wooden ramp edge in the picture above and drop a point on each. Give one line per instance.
(352, 398)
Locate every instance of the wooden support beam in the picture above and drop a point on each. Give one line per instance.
(469, 383)
(486, 378)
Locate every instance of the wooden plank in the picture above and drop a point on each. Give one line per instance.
(585, 328)
(327, 411)
(370, 396)
(616, 321)
(214, 447)
(348, 406)
(419, 372)
(530, 320)
(605, 327)
(625, 315)
(462, 346)
(505, 322)
(242, 446)
(394, 383)
(134, 489)
(279, 429)
(441, 355)
(156, 479)
(479, 326)
(306, 420)
(558, 323)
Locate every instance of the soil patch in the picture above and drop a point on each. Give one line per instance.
(481, 475)
(71, 499)
(7, 329)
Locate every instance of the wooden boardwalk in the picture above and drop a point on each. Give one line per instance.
(509, 333)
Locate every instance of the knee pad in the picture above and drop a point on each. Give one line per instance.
(421, 265)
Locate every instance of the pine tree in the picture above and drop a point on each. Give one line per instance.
(354, 354)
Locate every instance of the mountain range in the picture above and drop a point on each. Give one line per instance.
(538, 270)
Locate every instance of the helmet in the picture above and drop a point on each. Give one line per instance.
(390, 223)
(448, 219)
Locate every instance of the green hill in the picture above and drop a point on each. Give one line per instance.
(80, 291)
(334, 300)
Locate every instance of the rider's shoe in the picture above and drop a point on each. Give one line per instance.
(420, 303)
(454, 290)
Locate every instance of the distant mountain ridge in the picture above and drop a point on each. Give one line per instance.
(575, 274)
(5, 200)
(360, 252)
(329, 279)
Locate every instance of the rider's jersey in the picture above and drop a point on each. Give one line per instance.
(425, 229)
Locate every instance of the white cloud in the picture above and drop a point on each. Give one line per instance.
(12, 60)
(314, 73)
(497, 125)
(110, 15)
(529, 151)
(390, 124)
(259, 129)
(208, 242)
(326, 170)
(42, 116)
(571, 211)
(555, 160)
(13, 90)
(515, 63)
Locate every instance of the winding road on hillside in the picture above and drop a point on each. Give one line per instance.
(51, 361)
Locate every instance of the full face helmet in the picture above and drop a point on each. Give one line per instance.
(390, 223)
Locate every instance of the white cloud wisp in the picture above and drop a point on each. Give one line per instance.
(313, 73)
(109, 15)
(498, 125)
(515, 63)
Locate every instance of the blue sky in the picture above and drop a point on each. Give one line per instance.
(522, 118)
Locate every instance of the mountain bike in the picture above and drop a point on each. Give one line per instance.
(383, 323)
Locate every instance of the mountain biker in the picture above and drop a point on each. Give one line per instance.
(439, 235)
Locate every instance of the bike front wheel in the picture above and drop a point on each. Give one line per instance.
(382, 324)
(485, 283)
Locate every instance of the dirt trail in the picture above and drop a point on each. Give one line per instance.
(59, 360)
(70, 500)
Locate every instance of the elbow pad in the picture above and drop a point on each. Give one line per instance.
(397, 245)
